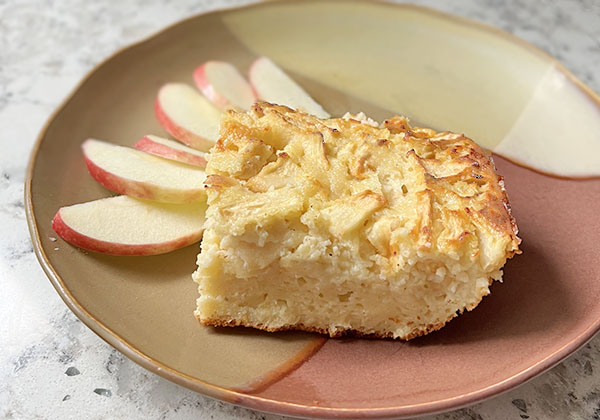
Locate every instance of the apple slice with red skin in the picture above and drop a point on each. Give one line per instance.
(187, 115)
(138, 174)
(273, 85)
(224, 86)
(171, 150)
(123, 225)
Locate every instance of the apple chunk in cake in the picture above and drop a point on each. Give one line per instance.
(337, 226)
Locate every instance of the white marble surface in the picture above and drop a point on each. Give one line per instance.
(51, 365)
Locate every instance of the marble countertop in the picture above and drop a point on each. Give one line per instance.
(51, 365)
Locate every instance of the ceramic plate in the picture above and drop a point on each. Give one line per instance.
(441, 71)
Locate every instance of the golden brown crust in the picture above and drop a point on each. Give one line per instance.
(478, 164)
(431, 151)
(478, 167)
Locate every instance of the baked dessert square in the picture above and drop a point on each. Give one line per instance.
(343, 226)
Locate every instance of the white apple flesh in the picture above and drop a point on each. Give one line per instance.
(138, 174)
(187, 115)
(123, 225)
(224, 86)
(273, 85)
(171, 150)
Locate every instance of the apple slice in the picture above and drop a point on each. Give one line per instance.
(224, 86)
(171, 150)
(187, 115)
(138, 174)
(126, 226)
(272, 84)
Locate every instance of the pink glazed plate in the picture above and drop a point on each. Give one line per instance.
(441, 71)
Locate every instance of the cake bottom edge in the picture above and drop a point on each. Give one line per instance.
(338, 333)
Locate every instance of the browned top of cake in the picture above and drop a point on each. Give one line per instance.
(443, 187)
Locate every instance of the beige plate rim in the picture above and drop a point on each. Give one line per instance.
(252, 401)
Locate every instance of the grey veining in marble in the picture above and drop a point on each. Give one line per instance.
(51, 365)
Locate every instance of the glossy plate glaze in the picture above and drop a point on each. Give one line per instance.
(443, 72)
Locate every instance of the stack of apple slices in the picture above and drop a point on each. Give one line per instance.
(162, 181)
(163, 206)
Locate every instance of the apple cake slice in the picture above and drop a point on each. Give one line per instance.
(339, 226)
